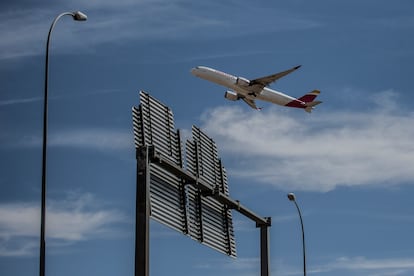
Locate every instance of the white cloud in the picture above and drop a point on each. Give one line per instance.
(320, 151)
(366, 266)
(338, 266)
(77, 218)
(241, 266)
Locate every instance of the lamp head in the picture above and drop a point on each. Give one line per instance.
(79, 16)
(291, 196)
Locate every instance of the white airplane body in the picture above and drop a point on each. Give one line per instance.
(257, 89)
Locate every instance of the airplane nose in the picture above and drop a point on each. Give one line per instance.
(194, 71)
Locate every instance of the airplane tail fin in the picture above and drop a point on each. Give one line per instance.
(308, 99)
(310, 96)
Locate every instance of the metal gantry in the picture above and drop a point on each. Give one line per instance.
(192, 199)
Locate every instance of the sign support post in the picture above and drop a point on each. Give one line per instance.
(264, 247)
(142, 213)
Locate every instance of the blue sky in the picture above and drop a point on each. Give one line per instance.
(349, 162)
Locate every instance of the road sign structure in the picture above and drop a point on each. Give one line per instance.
(191, 198)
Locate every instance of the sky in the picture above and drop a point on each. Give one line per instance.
(349, 163)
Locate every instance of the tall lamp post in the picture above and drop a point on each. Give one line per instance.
(292, 197)
(78, 16)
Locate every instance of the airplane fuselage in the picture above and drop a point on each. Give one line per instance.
(240, 86)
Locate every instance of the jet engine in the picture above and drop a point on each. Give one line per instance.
(230, 95)
(242, 82)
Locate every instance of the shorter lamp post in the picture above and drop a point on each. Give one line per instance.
(292, 197)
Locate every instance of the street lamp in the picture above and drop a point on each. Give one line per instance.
(78, 16)
(292, 197)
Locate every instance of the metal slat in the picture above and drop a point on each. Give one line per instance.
(158, 125)
(167, 203)
(153, 124)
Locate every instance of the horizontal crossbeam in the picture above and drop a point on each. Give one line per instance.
(205, 188)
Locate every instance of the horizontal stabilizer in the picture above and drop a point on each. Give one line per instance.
(311, 105)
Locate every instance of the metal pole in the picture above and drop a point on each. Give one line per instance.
(79, 17)
(264, 248)
(142, 213)
(303, 239)
(292, 197)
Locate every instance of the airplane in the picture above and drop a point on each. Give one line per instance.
(250, 90)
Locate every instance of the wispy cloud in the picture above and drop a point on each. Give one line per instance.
(24, 30)
(240, 266)
(98, 139)
(21, 32)
(358, 265)
(339, 266)
(317, 152)
(367, 266)
(19, 101)
(74, 219)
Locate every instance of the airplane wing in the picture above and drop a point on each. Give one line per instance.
(251, 103)
(260, 83)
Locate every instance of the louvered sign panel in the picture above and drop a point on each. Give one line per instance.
(213, 223)
(153, 124)
(167, 199)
